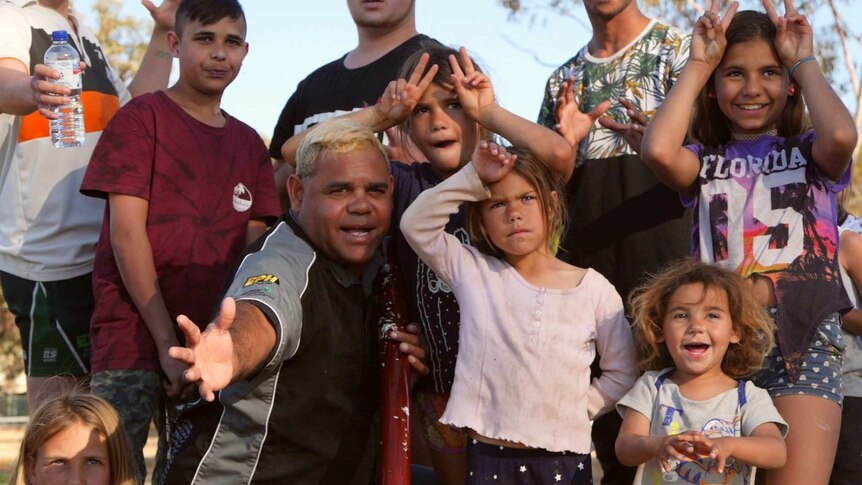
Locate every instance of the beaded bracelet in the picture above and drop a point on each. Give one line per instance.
(799, 62)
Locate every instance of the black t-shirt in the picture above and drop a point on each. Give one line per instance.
(333, 89)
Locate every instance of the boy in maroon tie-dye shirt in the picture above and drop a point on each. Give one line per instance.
(188, 187)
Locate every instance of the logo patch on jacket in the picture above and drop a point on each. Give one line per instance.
(261, 279)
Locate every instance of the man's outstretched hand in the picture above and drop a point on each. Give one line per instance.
(209, 355)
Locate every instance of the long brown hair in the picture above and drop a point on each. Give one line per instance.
(57, 414)
(709, 125)
(649, 304)
(539, 176)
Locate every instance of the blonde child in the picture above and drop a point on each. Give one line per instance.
(444, 106)
(530, 323)
(74, 438)
(691, 418)
(763, 187)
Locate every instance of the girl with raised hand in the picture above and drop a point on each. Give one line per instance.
(763, 183)
(692, 418)
(530, 323)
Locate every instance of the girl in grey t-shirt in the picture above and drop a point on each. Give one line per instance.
(691, 418)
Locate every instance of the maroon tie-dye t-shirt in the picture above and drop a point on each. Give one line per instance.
(203, 184)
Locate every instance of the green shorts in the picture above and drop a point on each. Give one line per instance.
(54, 320)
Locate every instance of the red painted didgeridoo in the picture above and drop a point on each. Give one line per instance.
(394, 381)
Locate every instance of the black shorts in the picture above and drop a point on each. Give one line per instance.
(54, 320)
(498, 464)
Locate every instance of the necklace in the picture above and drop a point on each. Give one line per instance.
(753, 136)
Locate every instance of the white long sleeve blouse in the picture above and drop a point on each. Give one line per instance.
(523, 368)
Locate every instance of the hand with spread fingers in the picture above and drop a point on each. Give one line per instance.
(794, 37)
(707, 39)
(572, 124)
(473, 88)
(492, 162)
(209, 355)
(163, 15)
(631, 132)
(402, 95)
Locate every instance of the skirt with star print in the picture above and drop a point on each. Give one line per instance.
(498, 464)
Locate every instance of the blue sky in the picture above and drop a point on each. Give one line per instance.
(289, 39)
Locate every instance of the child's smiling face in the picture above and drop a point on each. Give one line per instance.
(697, 329)
(751, 86)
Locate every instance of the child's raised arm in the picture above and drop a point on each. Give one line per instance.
(836, 132)
(662, 146)
(424, 222)
(396, 103)
(476, 95)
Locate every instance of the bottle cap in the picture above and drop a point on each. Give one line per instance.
(60, 35)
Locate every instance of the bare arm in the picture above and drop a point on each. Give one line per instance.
(836, 131)
(134, 257)
(476, 95)
(397, 102)
(232, 348)
(852, 322)
(369, 117)
(765, 448)
(544, 144)
(254, 230)
(662, 145)
(21, 93)
(156, 64)
(634, 444)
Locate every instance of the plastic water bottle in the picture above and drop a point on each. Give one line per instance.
(68, 130)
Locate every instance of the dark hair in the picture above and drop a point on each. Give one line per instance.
(649, 304)
(540, 177)
(438, 54)
(709, 126)
(206, 12)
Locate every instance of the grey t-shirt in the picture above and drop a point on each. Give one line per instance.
(736, 412)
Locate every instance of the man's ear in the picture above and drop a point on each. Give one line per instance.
(295, 192)
(174, 43)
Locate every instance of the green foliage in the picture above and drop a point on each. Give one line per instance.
(123, 38)
(11, 360)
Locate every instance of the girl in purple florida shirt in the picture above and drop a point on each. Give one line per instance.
(763, 185)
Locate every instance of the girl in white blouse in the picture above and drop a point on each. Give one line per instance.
(530, 323)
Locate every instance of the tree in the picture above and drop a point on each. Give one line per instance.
(124, 38)
(11, 360)
(837, 45)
